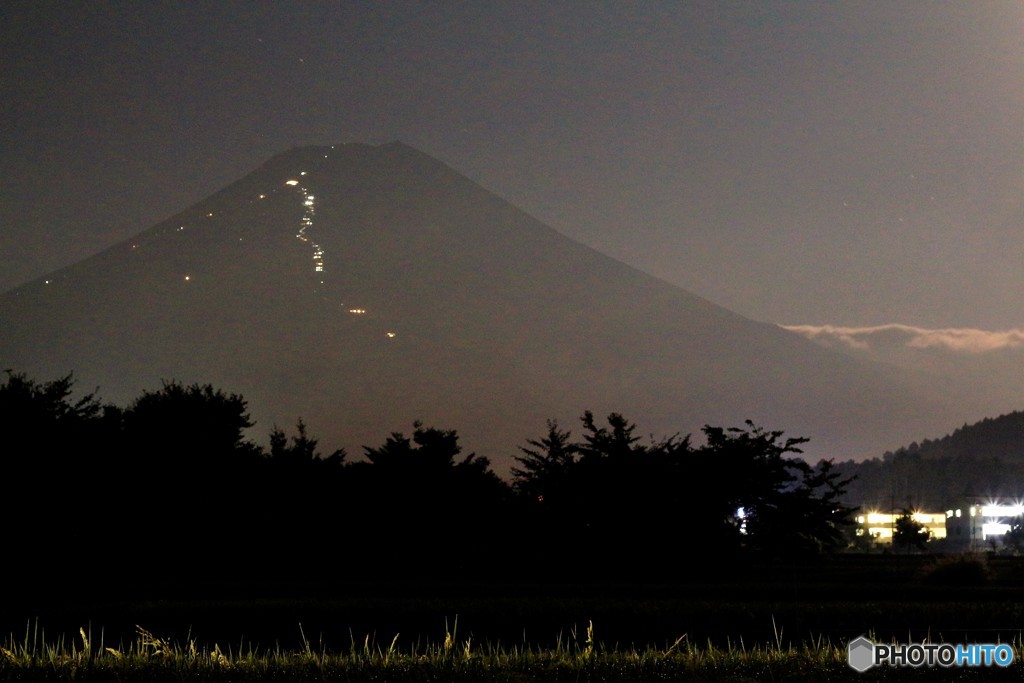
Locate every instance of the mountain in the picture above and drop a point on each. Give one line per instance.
(364, 287)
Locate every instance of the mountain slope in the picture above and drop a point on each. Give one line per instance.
(366, 287)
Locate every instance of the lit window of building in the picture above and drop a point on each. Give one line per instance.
(882, 524)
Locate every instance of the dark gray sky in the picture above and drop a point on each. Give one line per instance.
(844, 163)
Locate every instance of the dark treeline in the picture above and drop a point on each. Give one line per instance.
(169, 490)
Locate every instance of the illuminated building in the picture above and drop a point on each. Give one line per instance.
(988, 522)
(975, 525)
(880, 525)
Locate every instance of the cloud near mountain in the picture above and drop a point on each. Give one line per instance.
(966, 340)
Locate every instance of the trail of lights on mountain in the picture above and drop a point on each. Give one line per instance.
(309, 214)
(140, 246)
(309, 204)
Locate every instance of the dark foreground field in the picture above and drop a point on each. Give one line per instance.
(755, 622)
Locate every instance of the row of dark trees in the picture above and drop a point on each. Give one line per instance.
(168, 489)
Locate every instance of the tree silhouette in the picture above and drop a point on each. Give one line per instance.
(43, 416)
(909, 534)
(193, 423)
(53, 469)
(742, 490)
(545, 465)
(579, 495)
(174, 475)
(189, 473)
(300, 495)
(302, 451)
(602, 442)
(444, 508)
(1014, 538)
(825, 520)
(788, 506)
(611, 480)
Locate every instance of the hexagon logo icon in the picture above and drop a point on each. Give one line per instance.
(861, 654)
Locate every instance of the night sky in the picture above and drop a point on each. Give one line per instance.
(850, 163)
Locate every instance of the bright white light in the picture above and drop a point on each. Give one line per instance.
(357, 311)
(741, 515)
(188, 278)
(307, 222)
(996, 510)
(391, 335)
(994, 529)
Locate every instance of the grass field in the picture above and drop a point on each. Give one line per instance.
(773, 624)
(578, 657)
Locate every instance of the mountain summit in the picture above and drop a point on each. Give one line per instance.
(365, 287)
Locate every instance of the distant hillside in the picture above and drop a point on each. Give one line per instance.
(1001, 437)
(984, 459)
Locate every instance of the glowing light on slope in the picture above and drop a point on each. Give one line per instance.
(304, 235)
(309, 204)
